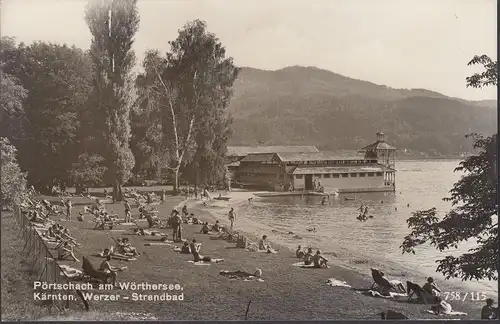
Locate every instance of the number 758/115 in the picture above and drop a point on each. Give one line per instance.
(472, 296)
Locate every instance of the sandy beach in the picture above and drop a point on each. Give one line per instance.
(287, 292)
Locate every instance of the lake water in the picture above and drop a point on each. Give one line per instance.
(359, 245)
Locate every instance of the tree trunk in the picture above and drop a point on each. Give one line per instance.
(78, 189)
(117, 192)
(176, 181)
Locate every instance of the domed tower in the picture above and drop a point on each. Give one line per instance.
(385, 155)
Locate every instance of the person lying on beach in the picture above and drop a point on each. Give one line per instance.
(185, 249)
(299, 253)
(65, 251)
(431, 288)
(205, 229)
(308, 257)
(195, 250)
(108, 268)
(319, 260)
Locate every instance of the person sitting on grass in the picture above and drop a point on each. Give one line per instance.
(128, 248)
(488, 311)
(108, 268)
(308, 257)
(185, 249)
(431, 288)
(264, 246)
(205, 229)
(319, 261)
(65, 251)
(299, 253)
(442, 307)
(216, 226)
(195, 250)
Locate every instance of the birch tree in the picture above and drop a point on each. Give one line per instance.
(185, 91)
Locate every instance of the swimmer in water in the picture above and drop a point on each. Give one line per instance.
(323, 201)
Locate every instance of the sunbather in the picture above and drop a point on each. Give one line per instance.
(263, 245)
(308, 257)
(128, 248)
(488, 311)
(205, 229)
(319, 261)
(441, 307)
(299, 253)
(65, 251)
(108, 268)
(185, 248)
(431, 288)
(216, 226)
(195, 250)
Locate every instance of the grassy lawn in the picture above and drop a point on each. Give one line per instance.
(288, 292)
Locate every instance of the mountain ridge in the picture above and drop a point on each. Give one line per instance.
(311, 106)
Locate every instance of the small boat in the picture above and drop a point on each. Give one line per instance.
(349, 198)
(222, 198)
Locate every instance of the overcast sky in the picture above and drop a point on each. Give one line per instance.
(398, 43)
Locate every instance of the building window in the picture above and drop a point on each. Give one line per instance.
(317, 175)
(298, 176)
(345, 175)
(335, 175)
(362, 174)
(326, 175)
(354, 175)
(379, 174)
(371, 174)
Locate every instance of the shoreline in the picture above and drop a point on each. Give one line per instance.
(357, 272)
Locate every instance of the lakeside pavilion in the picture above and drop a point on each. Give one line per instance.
(370, 169)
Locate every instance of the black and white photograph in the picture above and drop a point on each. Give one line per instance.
(231, 160)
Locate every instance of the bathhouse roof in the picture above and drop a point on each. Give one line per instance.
(342, 169)
(259, 157)
(319, 156)
(379, 145)
(245, 150)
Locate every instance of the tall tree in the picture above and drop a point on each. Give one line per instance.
(57, 80)
(474, 198)
(189, 90)
(113, 24)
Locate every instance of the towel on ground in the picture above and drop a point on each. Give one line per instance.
(307, 266)
(169, 243)
(117, 256)
(206, 262)
(388, 295)
(240, 275)
(337, 283)
(452, 313)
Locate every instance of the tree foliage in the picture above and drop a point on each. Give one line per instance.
(113, 25)
(57, 80)
(13, 181)
(186, 94)
(474, 215)
(489, 77)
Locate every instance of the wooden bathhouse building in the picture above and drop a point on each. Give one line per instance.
(371, 169)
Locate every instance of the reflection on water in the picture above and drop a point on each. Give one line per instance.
(420, 185)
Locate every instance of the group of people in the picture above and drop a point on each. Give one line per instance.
(317, 260)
